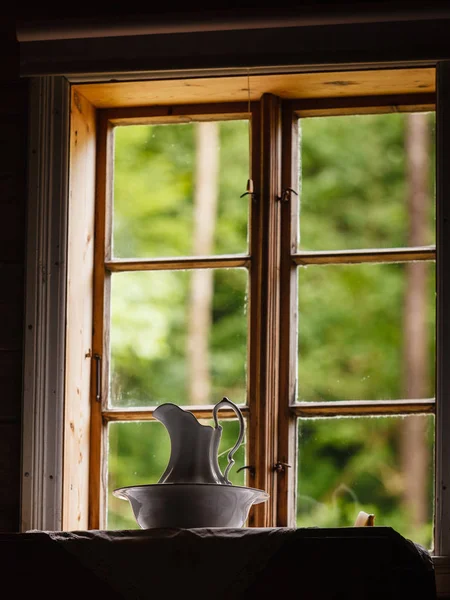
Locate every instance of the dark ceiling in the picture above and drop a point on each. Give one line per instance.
(91, 11)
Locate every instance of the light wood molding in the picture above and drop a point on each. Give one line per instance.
(317, 85)
(80, 255)
(100, 336)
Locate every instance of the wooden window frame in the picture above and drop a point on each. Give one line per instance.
(70, 507)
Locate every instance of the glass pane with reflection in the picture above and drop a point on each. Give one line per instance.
(366, 332)
(177, 189)
(380, 465)
(367, 181)
(138, 453)
(178, 336)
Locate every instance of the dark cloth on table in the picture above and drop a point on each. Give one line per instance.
(217, 564)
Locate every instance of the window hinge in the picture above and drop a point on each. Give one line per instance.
(280, 467)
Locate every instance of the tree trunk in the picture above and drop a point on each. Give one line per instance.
(201, 291)
(414, 449)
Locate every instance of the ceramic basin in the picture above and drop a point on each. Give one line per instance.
(190, 505)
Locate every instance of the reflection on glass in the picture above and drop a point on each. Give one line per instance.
(177, 189)
(139, 453)
(366, 332)
(358, 176)
(178, 336)
(381, 465)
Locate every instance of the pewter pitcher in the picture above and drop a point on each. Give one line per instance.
(194, 447)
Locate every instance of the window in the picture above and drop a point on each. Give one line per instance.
(312, 297)
(307, 315)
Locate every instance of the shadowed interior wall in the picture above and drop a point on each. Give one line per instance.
(13, 152)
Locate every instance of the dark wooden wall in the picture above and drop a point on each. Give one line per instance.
(13, 152)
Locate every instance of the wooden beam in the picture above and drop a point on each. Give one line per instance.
(80, 266)
(345, 88)
(379, 255)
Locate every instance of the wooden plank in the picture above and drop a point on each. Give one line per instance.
(286, 477)
(79, 312)
(11, 307)
(177, 113)
(379, 255)
(11, 364)
(442, 488)
(363, 105)
(12, 283)
(329, 84)
(10, 476)
(13, 139)
(14, 97)
(101, 316)
(264, 332)
(254, 324)
(11, 326)
(314, 410)
(11, 385)
(13, 226)
(146, 414)
(361, 45)
(213, 262)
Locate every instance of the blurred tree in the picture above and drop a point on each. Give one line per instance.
(201, 288)
(415, 450)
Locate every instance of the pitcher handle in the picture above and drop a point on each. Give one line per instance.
(219, 405)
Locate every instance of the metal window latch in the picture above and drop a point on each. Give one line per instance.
(285, 195)
(249, 190)
(280, 467)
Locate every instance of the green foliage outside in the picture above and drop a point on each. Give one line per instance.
(353, 195)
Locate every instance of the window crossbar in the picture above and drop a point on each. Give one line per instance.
(179, 263)
(356, 408)
(383, 255)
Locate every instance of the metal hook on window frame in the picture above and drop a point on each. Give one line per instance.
(285, 194)
(249, 191)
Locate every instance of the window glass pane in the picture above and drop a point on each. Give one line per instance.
(367, 181)
(380, 465)
(177, 189)
(366, 332)
(178, 336)
(139, 453)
